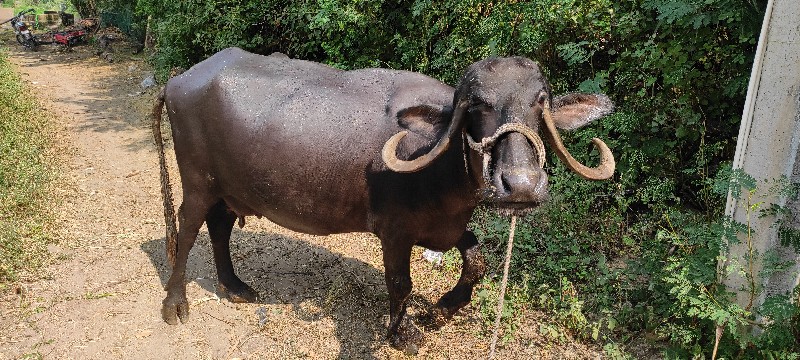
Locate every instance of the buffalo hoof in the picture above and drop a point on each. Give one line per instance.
(438, 317)
(449, 305)
(174, 309)
(238, 294)
(407, 339)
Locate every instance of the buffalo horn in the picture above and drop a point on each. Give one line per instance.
(607, 164)
(402, 166)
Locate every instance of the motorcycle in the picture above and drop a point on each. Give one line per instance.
(24, 35)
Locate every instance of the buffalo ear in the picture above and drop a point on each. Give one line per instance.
(424, 120)
(572, 111)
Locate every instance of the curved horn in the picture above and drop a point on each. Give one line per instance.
(390, 147)
(602, 172)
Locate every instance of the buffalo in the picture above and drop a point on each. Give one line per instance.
(399, 154)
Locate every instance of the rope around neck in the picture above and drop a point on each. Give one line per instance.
(503, 285)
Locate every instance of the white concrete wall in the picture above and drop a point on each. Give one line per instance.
(768, 146)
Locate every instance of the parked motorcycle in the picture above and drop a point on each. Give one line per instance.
(24, 35)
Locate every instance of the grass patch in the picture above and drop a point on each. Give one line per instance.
(27, 174)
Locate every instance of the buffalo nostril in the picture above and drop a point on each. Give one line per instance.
(522, 185)
(518, 180)
(506, 186)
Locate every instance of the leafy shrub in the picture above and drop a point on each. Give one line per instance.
(38, 5)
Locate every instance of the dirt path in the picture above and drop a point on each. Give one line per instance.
(324, 297)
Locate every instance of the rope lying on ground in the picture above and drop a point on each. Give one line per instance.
(503, 284)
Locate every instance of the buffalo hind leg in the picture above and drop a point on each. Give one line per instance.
(472, 271)
(220, 224)
(191, 216)
(403, 334)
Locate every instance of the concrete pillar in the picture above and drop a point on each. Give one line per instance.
(767, 149)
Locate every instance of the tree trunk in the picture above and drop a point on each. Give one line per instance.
(149, 40)
(86, 8)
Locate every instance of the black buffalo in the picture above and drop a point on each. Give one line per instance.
(396, 153)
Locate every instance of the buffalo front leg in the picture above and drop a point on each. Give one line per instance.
(175, 306)
(403, 334)
(472, 271)
(220, 224)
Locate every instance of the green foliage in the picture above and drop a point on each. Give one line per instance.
(86, 8)
(94, 8)
(39, 6)
(664, 283)
(189, 31)
(25, 174)
(487, 298)
(613, 352)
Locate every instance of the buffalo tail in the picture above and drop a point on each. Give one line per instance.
(166, 186)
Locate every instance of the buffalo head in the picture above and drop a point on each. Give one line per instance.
(500, 107)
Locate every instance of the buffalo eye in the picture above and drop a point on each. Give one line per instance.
(541, 98)
(480, 106)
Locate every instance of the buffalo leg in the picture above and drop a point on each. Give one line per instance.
(175, 305)
(403, 335)
(220, 223)
(472, 271)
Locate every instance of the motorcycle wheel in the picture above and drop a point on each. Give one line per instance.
(28, 42)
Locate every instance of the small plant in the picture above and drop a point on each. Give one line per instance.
(486, 300)
(94, 296)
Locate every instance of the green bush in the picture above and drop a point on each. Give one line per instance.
(39, 5)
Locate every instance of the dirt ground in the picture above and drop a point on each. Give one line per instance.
(323, 297)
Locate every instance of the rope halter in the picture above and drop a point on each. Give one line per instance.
(486, 144)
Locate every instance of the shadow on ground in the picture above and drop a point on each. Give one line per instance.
(289, 271)
(111, 99)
